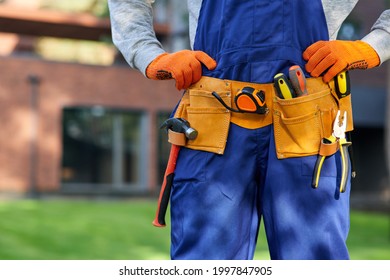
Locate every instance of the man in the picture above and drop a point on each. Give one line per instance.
(244, 166)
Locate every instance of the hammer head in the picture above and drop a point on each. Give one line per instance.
(180, 125)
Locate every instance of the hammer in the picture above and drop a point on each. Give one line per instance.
(174, 126)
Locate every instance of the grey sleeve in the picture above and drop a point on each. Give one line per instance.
(379, 37)
(133, 33)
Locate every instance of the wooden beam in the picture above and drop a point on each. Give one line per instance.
(58, 24)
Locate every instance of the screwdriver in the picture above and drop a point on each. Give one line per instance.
(283, 86)
(298, 80)
(343, 84)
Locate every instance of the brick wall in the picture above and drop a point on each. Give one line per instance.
(61, 85)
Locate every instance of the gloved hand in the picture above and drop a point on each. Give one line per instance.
(183, 66)
(332, 57)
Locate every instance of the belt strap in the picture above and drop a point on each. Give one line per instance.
(248, 120)
(176, 138)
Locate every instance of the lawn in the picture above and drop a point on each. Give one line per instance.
(121, 229)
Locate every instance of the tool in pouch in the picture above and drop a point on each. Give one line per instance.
(337, 141)
(179, 130)
(248, 100)
(298, 80)
(343, 89)
(343, 84)
(293, 87)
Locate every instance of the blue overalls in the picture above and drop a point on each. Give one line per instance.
(217, 200)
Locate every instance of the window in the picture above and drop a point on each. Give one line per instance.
(163, 147)
(102, 149)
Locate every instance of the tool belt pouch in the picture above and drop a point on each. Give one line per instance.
(328, 149)
(206, 115)
(176, 138)
(301, 123)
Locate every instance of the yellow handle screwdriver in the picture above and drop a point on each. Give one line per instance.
(283, 86)
(343, 84)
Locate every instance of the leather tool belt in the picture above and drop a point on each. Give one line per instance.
(299, 123)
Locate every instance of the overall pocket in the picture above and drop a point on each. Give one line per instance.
(210, 119)
(300, 123)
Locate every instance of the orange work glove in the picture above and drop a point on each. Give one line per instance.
(183, 66)
(332, 57)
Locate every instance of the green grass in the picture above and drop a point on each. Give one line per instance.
(113, 230)
(369, 236)
(66, 229)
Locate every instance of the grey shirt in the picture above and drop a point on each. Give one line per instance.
(133, 34)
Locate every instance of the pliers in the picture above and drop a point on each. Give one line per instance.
(338, 138)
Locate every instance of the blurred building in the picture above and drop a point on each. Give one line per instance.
(370, 90)
(76, 119)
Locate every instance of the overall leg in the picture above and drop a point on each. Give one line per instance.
(302, 222)
(214, 212)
